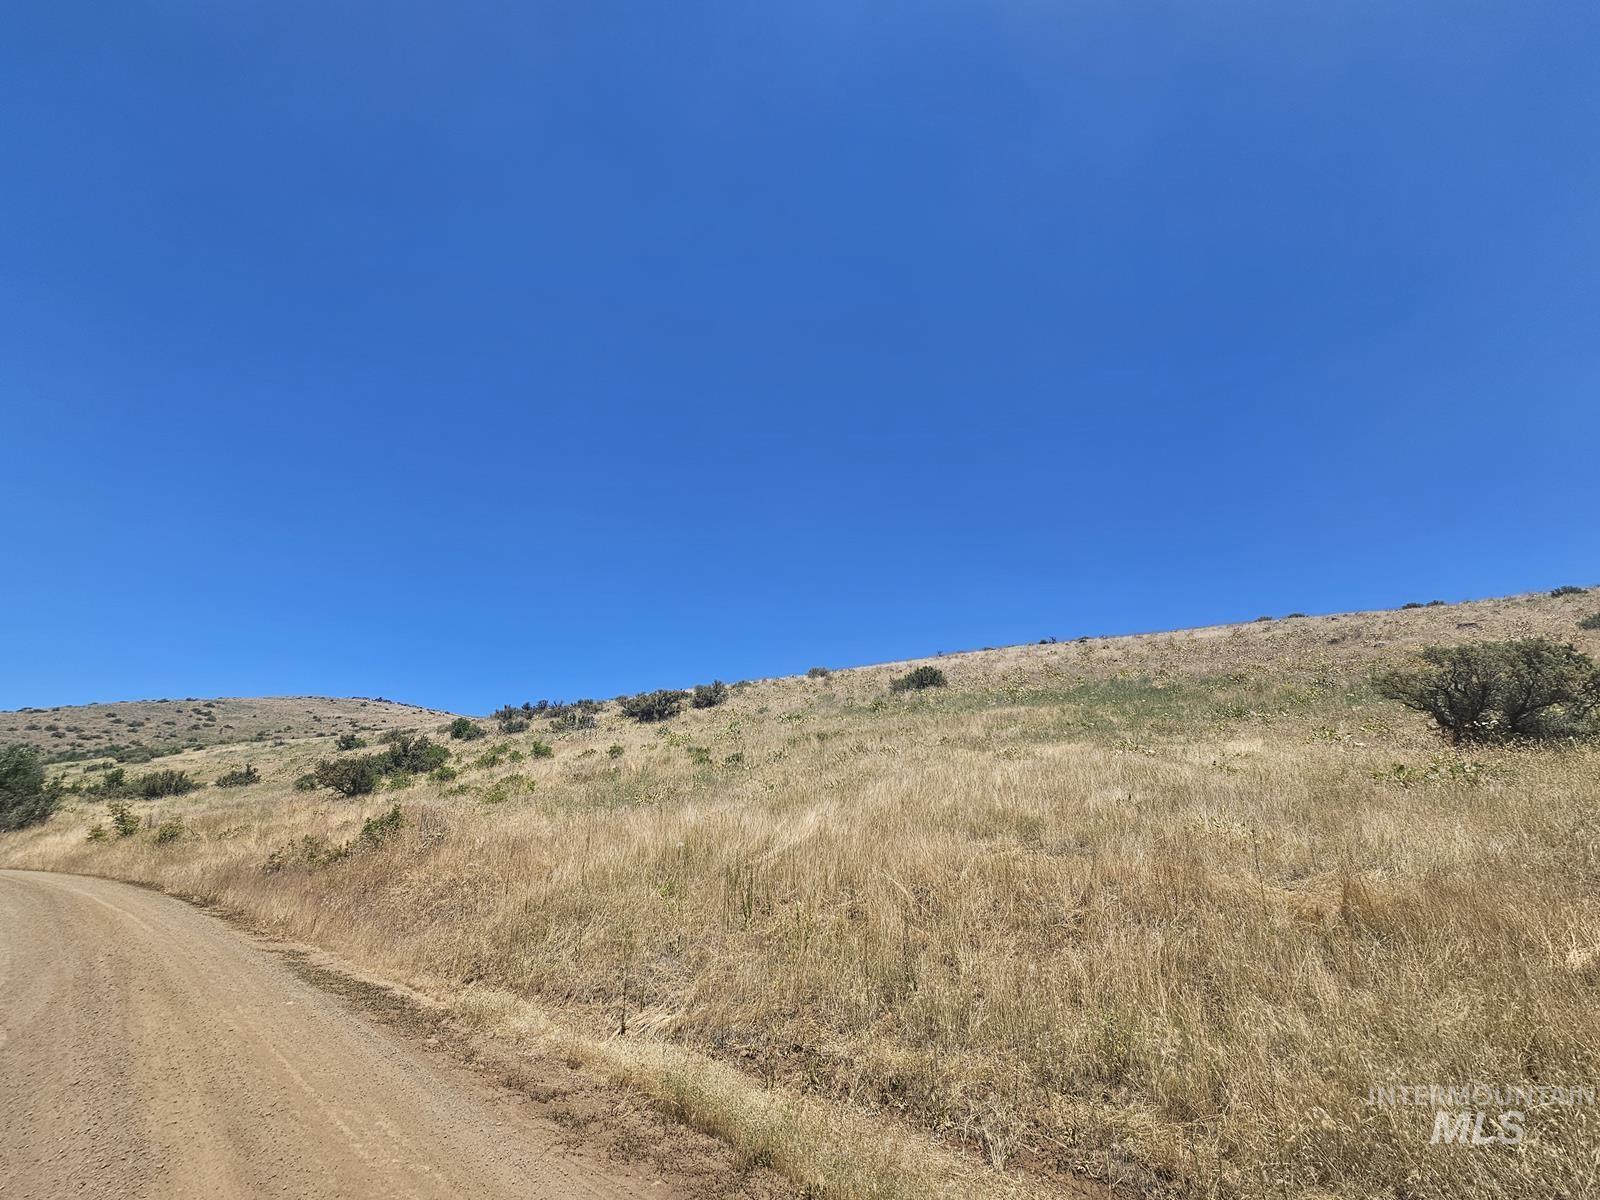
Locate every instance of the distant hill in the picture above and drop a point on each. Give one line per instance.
(135, 730)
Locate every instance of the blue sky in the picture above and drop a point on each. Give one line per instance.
(480, 352)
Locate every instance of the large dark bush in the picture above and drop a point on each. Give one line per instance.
(25, 797)
(163, 783)
(1531, 689)
(465, 729)
(653, 706)
(349, 776)
(413, 754)
(709, 695)
(240, 778)
(917, 680)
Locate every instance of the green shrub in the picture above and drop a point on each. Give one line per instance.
(411, 753)
(1568, 590)
(25, 798)
(653, 706)
(377, 830)
(307, 782)
(614, 751)
(919, 679)
(163, 783)
(169, 831)
(349, 776)
(580, 714)
(97, 833)
(1592, 621)
(465, 729)
(123, 822)
(445, 774)
(538, 749)
(1531, 689)
(818, 673)
(350, 741)
(244, 778)
(709, 695)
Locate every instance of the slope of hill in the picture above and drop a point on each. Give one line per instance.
(1160, 910)
(135, 730)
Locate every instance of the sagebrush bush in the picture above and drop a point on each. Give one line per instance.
(350, 741)
(917, 680)
(123, 821)
(709, 695)
(1531, 689)
(465, 729)
(157, 784)
(240, 778)
(349, 776)
(412, 753)
(25, 797)
(377, 830)
(653, 706)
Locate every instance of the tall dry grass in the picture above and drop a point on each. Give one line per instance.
(1157, 913)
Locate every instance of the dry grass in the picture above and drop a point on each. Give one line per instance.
(1156, 911)
(86, 731)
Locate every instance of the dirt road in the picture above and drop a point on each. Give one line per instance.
(148, 1049)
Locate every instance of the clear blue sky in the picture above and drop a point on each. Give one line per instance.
(467, 353)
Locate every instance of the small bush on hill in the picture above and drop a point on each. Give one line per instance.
(653, 706)
(580, 714)
(917, 680)
(349, 776)
(25, 797)
(350, 741)
(709, 695)
(169, 831)
(818, 673)
(243, 778)
(538, 749)
(414, 754)
(1568, 590)
(465, 729)
(123, 822)
(163, 783)
(1592, 621)
(1531, 689)
(377, 830)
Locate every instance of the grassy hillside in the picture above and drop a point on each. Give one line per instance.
(1157, 911)
(135, 730)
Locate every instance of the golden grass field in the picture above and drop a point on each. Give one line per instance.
(84, 730)
(1154, 912)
